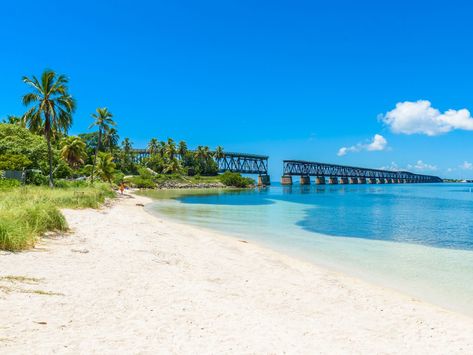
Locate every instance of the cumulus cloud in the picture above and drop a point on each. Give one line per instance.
(391, 167)
(378, 143)
(421, 118)
(466, 166)
(421, 166)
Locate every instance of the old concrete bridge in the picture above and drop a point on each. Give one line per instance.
(341, 174)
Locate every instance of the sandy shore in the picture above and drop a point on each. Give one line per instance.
(127, 282)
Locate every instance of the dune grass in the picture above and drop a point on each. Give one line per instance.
(29, 211)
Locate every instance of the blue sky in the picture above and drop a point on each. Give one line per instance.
(291, 79)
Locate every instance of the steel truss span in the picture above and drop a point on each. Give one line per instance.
(235, 162)
(306, 168)
(243, 163)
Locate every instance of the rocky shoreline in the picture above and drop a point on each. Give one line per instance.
(181, 185)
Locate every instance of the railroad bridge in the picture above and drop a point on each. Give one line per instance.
(229, 161)
(347, 174)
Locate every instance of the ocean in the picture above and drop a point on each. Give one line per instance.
(414, 238)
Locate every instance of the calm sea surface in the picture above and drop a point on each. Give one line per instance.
(416, 238)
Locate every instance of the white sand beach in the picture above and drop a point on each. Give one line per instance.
(124, 281)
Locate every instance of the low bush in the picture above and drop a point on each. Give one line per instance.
(9, 183)
(235, 180)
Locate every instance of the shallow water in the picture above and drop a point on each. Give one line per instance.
(417, 238)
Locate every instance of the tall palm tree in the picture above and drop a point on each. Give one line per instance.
(127, 155)
(102, 120)
(106, 167)
(162, 149)
(219, 154)
(153, 146)
(111, 138)
(73, 151)
(202, 153)
(182, 149)
(170, 149)
(51, 108)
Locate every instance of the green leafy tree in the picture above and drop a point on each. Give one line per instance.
(73, 151)
(106, 167)
(17, 140)
(103, 120)
(51, 108)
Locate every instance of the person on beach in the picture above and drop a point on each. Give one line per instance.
(122, 187)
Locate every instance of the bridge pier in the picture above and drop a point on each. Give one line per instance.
(389, 181)
(353, 180)
(263, 180)
(362, 180)
(333, 180)
(381, 181)
(343, 180)
(320, 180)
(286, 180)
(305, 180)
(372, 181)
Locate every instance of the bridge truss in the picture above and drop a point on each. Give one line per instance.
(306, 168)
(235, 162)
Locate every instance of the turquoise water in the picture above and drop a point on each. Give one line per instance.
(415, 238)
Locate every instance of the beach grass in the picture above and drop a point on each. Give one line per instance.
(27, 212)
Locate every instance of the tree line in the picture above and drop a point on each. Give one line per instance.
(98, 154)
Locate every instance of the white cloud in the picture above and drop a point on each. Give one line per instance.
(421, 166)
(377, 144)
(420, 117)
(466, 166)
(391, 167)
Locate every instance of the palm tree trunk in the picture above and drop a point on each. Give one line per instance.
(95, 156)
(50, 157)
(47, 133)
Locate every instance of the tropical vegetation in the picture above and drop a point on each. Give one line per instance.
(35, 147)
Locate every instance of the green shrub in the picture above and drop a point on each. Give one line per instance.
(14, 161)
(142, 183)
(235, 180)
(36, 177)
(9, 183)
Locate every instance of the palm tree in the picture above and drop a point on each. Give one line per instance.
(127, 155)
(219, 154)
(73, 151)
(162, 149)
(103, 120)
(51, 110)
(202, 153)
(173, 166)
(170, 149)
(182, 149)
(153, 146)
(111, 138)
(16, 120)
(106, 167)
